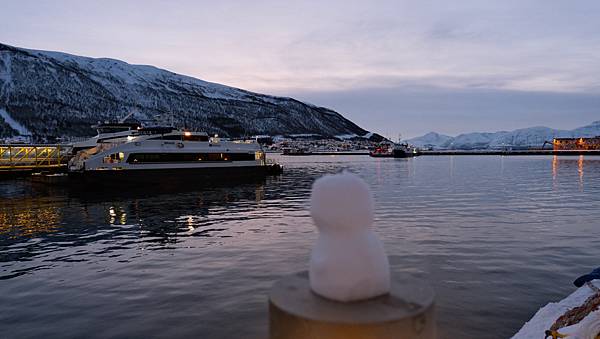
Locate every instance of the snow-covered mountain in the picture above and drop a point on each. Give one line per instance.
(525, 137)
(430, 139)
(51, 93)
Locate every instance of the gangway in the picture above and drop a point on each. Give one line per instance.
(23, 157)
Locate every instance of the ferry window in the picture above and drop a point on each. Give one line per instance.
(166, 137)
(241, 157)
(182, 137)
(114, 158)
(195, 137)
(215, 156)
(113, 129)
(188, 157)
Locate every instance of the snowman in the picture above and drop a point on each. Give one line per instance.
(348, 262)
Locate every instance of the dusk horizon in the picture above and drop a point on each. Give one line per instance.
(392, 68)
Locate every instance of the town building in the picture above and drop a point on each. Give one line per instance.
(576, 143)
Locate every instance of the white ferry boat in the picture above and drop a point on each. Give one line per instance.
(114, 131)
(161, 154)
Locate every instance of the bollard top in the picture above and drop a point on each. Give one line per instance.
(407, 298)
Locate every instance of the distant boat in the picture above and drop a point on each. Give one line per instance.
(386, 150)
(382, 151)
(404, 151)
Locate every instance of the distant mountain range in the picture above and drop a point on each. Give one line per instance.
(58, 94)
(525, 137)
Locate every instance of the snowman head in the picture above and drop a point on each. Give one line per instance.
(341, 202)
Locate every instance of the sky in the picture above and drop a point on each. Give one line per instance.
(393, 67)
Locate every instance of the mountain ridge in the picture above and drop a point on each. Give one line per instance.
(522, 137)
(55, 93)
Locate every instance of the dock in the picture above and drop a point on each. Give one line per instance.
(23, 159)
(513, 152)
(339, 153)
(474, 152)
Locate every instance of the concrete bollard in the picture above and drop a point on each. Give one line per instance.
(295, 312)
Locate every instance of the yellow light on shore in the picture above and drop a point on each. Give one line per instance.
(187, 134)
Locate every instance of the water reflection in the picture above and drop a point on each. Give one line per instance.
(554, 171)
(580, 170)
(567, 170)
(71, 217)
(28, 217)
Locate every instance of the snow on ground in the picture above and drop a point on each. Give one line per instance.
(547, 315)
(145, 74)
(13, 123)
(346, 136)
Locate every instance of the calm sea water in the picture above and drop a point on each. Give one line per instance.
(497, 237)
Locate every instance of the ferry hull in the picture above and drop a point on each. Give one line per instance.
(168, 178)
(404, 154)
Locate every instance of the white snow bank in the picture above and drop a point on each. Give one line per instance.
(547, 315)
(587, 328)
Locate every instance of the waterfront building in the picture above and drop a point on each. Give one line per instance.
(576, 143)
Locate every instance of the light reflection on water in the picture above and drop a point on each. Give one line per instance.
(497, 237)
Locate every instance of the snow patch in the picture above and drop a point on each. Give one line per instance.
(22, 130)
(346, 136)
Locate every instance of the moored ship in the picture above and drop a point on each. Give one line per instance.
(386, 150)
(164, 155)
(404, 151)
(383, 150)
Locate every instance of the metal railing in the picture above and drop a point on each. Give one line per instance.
(31, 156)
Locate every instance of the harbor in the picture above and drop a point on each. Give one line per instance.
(44, 161)
(145, 260)
(299, 170)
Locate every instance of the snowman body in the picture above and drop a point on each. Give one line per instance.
(348, 262)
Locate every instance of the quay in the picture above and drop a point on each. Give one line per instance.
(339, 153)
(512, 152)
(475, 152)
(23, 159)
